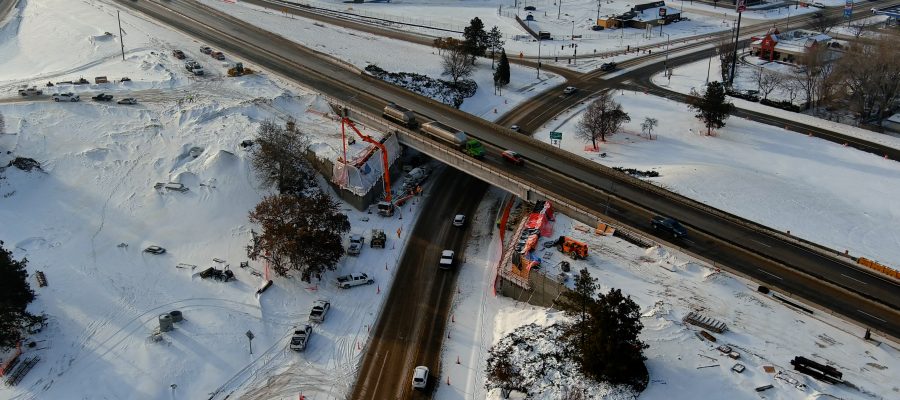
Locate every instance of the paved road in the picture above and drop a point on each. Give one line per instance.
(411, 328)
(785, 266)
(6, 6)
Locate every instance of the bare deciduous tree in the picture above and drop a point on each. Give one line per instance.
(868, 78)
(457, 63)
(279, 158)
(301, 233)
(812, 74)
(603, 117)
(825, 22)
(648, 125)
(768, 81)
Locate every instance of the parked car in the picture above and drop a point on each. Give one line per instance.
(354, 279)
(596, 28)
(608, 66)
(128, 100)
(198, 71)
(178, 54)
(420, 378)
(569, 90)
(205, 49)
(65, 97)
(669, 225)
(530, 8)
(459, 220)
(356, 245)
(102, 97)
(515, 128)
(30, 91)
(217, 55)
(154, 250)
(319, 310)
(513, 157)
(301, 337)
(446, 259)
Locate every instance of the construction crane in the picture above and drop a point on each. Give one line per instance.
(386, 207)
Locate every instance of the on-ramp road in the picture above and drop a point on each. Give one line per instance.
(411, 327)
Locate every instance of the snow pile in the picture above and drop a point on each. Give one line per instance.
(545, 367)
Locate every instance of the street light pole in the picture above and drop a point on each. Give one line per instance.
(737, 36)
(559, 10)
(598, 10)
(539, 58)
(668, 43)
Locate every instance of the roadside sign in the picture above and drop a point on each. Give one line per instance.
(556, 135)
(741, 6)
(848, 8)
(662, 11)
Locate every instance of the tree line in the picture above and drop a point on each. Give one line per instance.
(458, 57)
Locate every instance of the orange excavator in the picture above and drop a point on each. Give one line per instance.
(386, 207)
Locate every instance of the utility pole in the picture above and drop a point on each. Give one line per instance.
(539, 57)
(598, 10)
(559, 10)
(737, 36)
(121, 39)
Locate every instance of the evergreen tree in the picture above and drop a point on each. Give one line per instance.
(712, 106)
(494, 43)
(15, 294)
(604, 337)
(301, 233)
(475, 38)
(501, 75)
(614, 352)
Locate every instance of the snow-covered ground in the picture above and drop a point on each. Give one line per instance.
(574, 17)
(85, 219)
(821, 191)
(666, 285)
(361, 49)
(693, 76)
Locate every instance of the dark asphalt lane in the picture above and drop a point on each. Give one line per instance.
(410, 330)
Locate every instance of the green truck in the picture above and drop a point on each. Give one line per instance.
(455, 137)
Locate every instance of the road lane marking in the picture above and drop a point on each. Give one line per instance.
(770, 274)
(848, 277)
(757, 241)
(870, 315)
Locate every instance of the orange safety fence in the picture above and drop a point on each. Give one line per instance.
(6, 364)
(876, 266)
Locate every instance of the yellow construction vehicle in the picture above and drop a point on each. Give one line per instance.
(239, 70)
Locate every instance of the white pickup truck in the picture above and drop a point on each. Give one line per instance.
(354, 279)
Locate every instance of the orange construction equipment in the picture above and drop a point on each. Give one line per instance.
(575, 249)
(345, 120)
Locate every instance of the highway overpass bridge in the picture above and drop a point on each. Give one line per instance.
(590, 191)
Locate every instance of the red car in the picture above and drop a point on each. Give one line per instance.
(217, 55)
(513, 157)
(178, 54)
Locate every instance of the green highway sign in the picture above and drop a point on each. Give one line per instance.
(556, 135)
